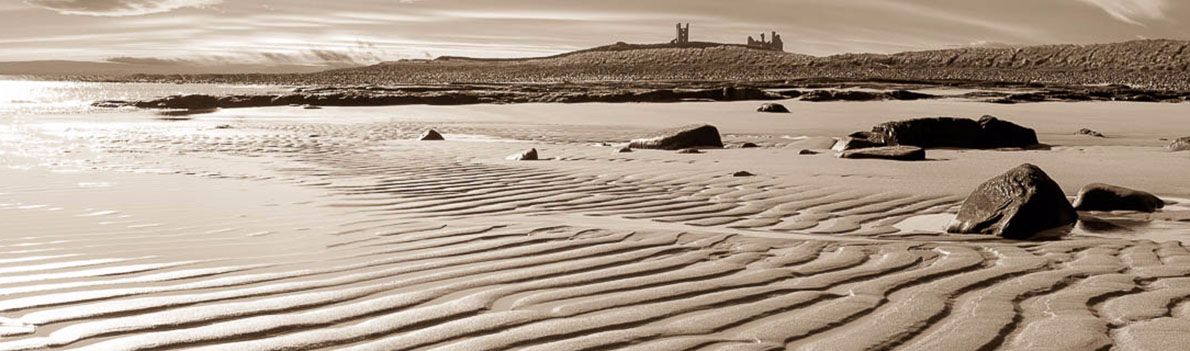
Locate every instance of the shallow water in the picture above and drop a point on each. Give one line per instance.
(58, 97)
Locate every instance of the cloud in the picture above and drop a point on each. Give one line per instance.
(1132, 11)
(116, 8)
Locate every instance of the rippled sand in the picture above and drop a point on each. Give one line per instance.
(283, 228)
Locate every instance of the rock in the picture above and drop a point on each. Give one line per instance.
(1181, 144)
(189, 102)
(623, 150)
(742, 174)
(223, 126)
(898, 153)
(1089, 132)
(430, 135)
(908, 95)
(1018, 204)
(852, 143)
(311, 107)
(986, 133)
(749, 146)
(527, 155)
(773, 107)
(690, 151)
(681, 138)
(807, 152)
(999, 133)
(1105, 197)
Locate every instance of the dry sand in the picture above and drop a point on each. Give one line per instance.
(332, 229)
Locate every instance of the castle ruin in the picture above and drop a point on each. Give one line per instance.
(683, 35)
(766, 43)
(774, 44)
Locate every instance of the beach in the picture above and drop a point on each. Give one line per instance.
(334, 228)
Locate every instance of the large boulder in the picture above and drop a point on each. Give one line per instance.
(897, 153)
(1018, 204)
(1182, 144)
(430, 135)
(1105, 197)
(773, 107)
(691, 136)
(986, 133)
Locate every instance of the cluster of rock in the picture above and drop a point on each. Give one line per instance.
(466, 95)
(907, 140)
(860, 95)
(1025, 203)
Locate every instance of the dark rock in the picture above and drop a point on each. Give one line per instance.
(749, 146)
(1018, 204)
(852, 143)
(1105, 197)
(311, 107)
(681, 138)
(807, 152)
(223, 126)
(898, 153)
(1181, 144)
(527, 155)
(690, 151)
(623, 150)
(772, 108)
(430, 135)
(908, 95)
(999, 133)
(986, 133)
(1089, 132)
(189, 102)
(742, 174)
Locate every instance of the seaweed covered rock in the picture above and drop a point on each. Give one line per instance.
(692, 136)
(1106, 197)
(1018, 204)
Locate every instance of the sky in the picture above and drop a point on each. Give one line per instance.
(367, 31)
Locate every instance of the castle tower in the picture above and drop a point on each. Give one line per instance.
(683, 34)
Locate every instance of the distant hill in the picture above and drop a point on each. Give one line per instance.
(127, 66)
(1155, 64)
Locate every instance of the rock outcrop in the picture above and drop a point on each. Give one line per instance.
(1019, 204)
(1106, 197)
(430, 135)
(897, 153)
(773, 107)
(692, 136)
(527, 155)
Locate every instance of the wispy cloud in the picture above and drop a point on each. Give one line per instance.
(115, 8)
(1132, 11)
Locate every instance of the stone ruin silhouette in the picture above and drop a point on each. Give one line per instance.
(772, 43)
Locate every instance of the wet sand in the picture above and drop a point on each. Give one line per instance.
(283, 228)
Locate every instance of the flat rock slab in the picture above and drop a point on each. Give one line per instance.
(897, 153)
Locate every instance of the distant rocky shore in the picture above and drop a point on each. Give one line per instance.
(465, 94)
